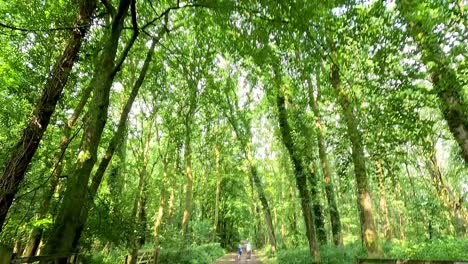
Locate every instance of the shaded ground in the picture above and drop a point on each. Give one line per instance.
(232, 258)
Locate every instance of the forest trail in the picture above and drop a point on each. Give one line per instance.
(231, 258)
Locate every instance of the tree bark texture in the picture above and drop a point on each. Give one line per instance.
(383, 202)
(116, 139)
(188, 160)
(189, 185)
(25, 149)
(63, 237)
(36, 233)
(217, 195)
(368, 232)
(327, 173)
(319, 219)
(173, 186)
(299, 173)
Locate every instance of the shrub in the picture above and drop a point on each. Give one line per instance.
(443, 249)
(328, 254)
(202, 254)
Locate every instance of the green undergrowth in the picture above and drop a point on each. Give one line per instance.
(201, 254)
(443, 249)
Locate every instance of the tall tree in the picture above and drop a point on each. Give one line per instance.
(36, 233)
(139, 201)
(218, 192)
(383, 201)
(188, 121)
(240, 123)
(63, 236)
(25, 149)
(324, 162)
(299, 170)
(366, 216)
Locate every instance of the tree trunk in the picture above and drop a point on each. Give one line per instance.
(142, 218)
(265, 207)
(139, 201)
(189, 186)
(218, 192)
(292, 197)
(383, 202)
(36, 233)
(25, 149)
(63, 237)
(117, 138)
(446, 197)
(162, 200)
(136, 208)
(368, 232)
(327, 174)
(172, 198)
(244, 139)
(449, 88)
(319, 219)
(188, 160)
(299, 173)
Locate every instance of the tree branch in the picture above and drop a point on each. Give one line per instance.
(129, 45)
(166, 12)
(40, 29)
(109, 7)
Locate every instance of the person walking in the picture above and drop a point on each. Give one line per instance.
(248, 248)
(239, 251)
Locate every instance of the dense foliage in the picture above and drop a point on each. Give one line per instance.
(319, 130)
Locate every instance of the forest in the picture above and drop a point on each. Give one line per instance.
(320, 131)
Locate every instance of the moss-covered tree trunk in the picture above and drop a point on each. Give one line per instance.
(293, 217)
(188, 122)
(25, 149)
(319, 218)
(118, 136)
(448, 87)
(368, 232)
(217, 195)
(173, 186)
(299, 173)
(63, 236)
(448, 198)
(327, 173)
(162, 211)
(116, 139)
(36, 233)
(189, 184)
(387, 227)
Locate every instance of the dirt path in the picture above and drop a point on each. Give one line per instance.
(232, 258)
